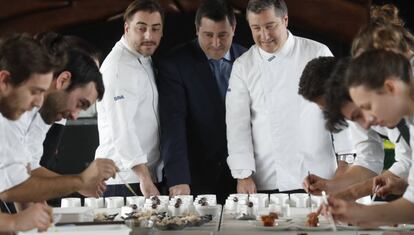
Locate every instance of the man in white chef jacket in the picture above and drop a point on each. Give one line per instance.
(128, 121)
(74, 87)
(274, 136)
(26, 72)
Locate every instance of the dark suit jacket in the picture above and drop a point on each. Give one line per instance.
(192, 116)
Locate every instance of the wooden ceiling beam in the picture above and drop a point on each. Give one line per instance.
(337, 19)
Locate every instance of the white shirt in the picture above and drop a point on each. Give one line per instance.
(24, 147)
(271, 130)
(370, 149)
(128, 113)
(12, 171)
(409, 192)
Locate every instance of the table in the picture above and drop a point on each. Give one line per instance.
(225, 224)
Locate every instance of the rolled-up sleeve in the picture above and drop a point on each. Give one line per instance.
(402, 165)
(343, 142)
(409, 192)
(238, 120)
(369, 148)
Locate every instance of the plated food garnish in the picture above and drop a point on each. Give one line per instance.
(203, 201)
(268, 220)
(100, 217)
(313, 220)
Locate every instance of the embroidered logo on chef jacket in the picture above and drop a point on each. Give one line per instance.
(119, 97)
(271, 58)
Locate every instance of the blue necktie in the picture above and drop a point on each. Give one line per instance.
(221, 80)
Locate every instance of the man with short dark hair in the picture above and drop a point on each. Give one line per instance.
(312, 80)
(311, 87)
(25, 74)
(128, 113)
(74, 87)
(192, 84)
(18, 50)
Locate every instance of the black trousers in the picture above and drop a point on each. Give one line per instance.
(7, 207)
(222, 186)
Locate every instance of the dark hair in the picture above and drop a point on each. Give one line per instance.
(143, 5)
(372, 68)
(83, 71)
(58, 45)
(23, 56)
(257, 6)
(336, 96)
(385, 14)
(314, 76)
(216, 10)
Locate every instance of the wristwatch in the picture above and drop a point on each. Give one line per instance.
(346, 157)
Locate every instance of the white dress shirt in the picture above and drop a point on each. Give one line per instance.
(370, 149)
(272, 131)
(128, 113)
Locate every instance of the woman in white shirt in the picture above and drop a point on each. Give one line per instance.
(380, 82)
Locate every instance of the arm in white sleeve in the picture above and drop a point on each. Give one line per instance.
(34, 139)
(342, 142)
(120, 113)
(409, 193)
(369, 148)
(12, 175)
(326, 51)
(241, 174)
(238, 120)
(402, 165)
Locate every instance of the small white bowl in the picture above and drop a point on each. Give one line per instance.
(208, 210)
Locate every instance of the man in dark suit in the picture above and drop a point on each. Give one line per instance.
(192, 84)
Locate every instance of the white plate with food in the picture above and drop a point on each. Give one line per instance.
(278, 219)
(276, 226)
(348, 227)
(320, 227)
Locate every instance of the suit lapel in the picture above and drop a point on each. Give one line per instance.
(206, 78)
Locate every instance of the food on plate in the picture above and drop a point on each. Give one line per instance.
(178, 203)
(268, 220)
(274, 215)
(155, 200)
(313, 220)
(104, 217)
(250, 204)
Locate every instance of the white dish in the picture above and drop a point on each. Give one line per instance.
(280, 219)
(118, 229)
(348, 227)
(74, 214)
(208, 210)
(70, 202)
(278, 226)
(321, 227)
